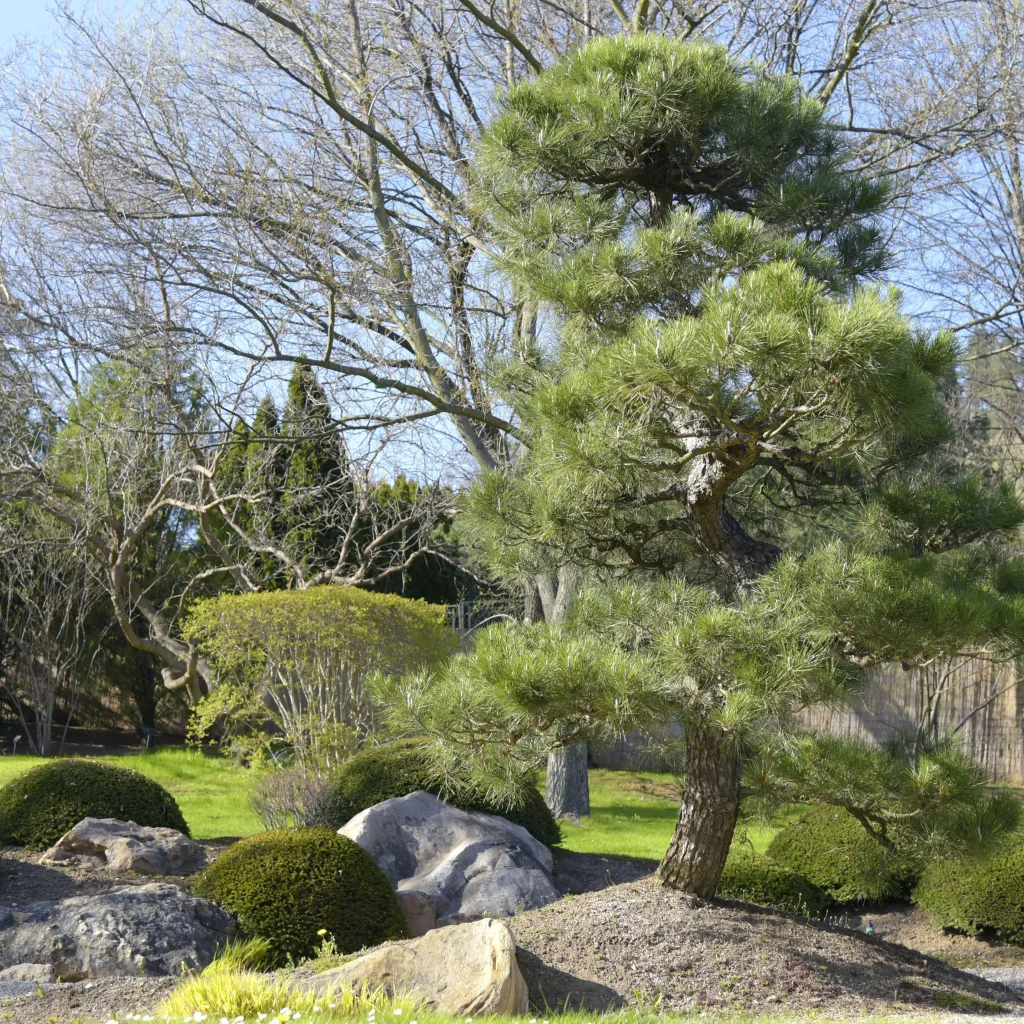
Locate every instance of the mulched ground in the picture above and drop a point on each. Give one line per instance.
(641, 945)
(619, 940)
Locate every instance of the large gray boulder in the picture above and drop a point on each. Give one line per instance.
(124, 846)
(144, 929)
(448, 865)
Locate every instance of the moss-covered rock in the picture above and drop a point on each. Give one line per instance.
(754, 878)
(833, 851)
(400, 768)
(296, 887)
(977, 895)
(37, 808)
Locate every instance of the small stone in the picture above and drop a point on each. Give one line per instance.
(41, 974)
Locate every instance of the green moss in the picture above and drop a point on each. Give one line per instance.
(754, 878)
(397, 769)
(37, 808)
(977, 895)
(287, 885)
(832, 850)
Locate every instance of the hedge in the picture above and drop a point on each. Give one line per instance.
(977, 895)
(396, 769)
(297, 887)
(37, 808)
(832, 850)
(754, 878)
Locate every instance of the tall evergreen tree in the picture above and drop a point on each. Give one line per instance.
(318, 498)
(692, 227)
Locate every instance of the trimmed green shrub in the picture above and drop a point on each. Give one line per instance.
(978, 894)
(37, 808)
(290, 885)
(300, 658)
(832, 850)
(399, 768)
(754, 878)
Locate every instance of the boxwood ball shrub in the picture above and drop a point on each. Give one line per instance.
(401, 767)
(754, 878)
(287, 885)
(832, 850)
(977, 895)
(37, 808)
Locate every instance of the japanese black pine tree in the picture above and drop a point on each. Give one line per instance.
(728, 430)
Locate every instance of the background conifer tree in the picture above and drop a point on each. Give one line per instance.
(737, 444)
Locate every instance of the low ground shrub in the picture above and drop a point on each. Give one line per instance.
(754, 878)
(37, 808)
(298, 888)
(833, 851)
(984, 894)
(397, 769)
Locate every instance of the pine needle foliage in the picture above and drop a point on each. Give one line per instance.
(729, 433)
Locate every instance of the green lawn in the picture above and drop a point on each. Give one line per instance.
(633, 813)
(212, 792)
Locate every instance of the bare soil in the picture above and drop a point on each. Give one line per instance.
(641, 945)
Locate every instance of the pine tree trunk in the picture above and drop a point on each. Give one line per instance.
(567, 791)
(707, 815)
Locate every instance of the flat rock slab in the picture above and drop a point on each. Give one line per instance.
(106, 843)
(131, 931)
(469, 969)
(451, 866)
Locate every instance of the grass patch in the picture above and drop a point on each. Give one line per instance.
(212, 792)
(633, 813)
(964, 1002)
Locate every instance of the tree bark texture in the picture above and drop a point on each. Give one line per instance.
(567, 791)
(707, 815)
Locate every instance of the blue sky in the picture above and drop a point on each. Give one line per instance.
(24, 18)
(34, 18)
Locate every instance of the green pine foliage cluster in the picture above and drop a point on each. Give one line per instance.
(303, 889)
(395, 769)
(38, 807)
(735, 439)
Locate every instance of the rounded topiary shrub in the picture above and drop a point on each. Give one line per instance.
(751, 877)
(832, 850)
(37, 808)
(397, 769)
(977, 895)
(296, 887)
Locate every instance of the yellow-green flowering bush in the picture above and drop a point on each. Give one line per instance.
(299, 658)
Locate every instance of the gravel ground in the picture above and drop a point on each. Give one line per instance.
(24, 880)
(640, 944)
(620, 940)
(85, 1000)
